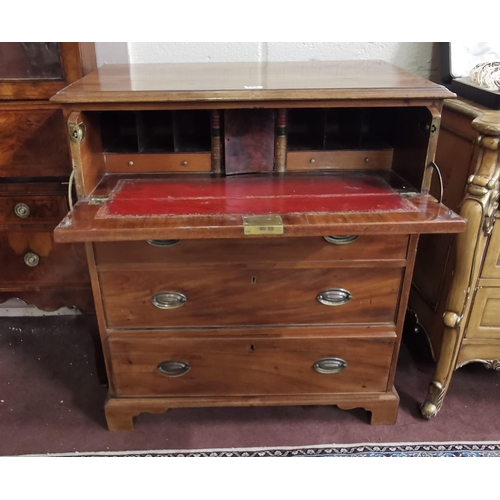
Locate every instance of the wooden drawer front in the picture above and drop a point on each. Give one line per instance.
(235, 296)
(249, 366)
(51, 264)
(491, 266)
(339, 160)
(282, 252)
(22, 209)
(484, 321)
(164, 162)
(33, 143)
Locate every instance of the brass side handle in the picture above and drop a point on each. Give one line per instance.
(162, 243)
(330, 365)
(334, 297)
(31, 259)
(168, 300)
(440, 179)
(341, 240)
(173, 368)
(22, 210)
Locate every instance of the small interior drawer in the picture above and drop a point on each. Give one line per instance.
(250, 366)
(165, 162)
(339, 160)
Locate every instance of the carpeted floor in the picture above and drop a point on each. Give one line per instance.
(51, 402)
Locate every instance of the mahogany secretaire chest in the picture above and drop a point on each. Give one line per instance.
(251, 228)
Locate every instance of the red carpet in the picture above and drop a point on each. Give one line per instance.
(51, 402)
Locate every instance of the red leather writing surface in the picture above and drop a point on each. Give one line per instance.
(252, 196)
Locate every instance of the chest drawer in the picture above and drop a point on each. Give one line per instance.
(250, 366)
(223, 296)
(33, 260)
(26, 210)
(289, 252)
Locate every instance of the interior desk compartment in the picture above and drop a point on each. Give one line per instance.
(266, 139)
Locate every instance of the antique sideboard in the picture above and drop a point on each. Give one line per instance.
(456, 289)
(251, 228)
(35, 167)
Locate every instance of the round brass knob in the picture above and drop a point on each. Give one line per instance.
(185, 163)
(312, 160)
(31, 259)
(22, 210)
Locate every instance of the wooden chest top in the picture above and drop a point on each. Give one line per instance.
(215, 82)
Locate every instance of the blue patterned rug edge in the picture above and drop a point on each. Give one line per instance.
(445, 449)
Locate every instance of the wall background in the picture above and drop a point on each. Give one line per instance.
(421, 58)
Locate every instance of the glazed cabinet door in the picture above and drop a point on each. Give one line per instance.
(37, 70)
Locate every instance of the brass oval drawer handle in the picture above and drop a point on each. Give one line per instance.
(173, 368)
(162, 243)
(341, 240)
(168, 300)
(330, 365)
(22, 210)
(334, 297)
(31, 259)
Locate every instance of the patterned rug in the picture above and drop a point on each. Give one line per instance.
(459, 449)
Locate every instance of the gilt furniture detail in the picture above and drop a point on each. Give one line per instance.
(468, 294)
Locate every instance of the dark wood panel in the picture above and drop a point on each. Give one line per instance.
(249, 139)
(33, 143)
(250, 366)
(235, 296)
(281, 252)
